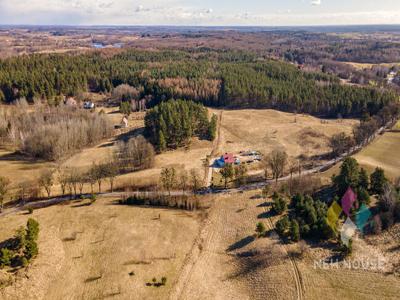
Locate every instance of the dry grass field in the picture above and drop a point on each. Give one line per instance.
(92, 250)
(383, 153)
(87, 252)
(265, 129)
(262, 130)
(362, 66)
(235, 265)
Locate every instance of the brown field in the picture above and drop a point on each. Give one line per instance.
(362, 66)
(383, 153)
(87, 252)
(92, 249)
(264, 130)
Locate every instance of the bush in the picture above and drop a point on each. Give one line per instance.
(282, 226)
(32, 230)
(30, 210)
(294, 231)
(92, 198)
(279, 205)
(6, 256)
(125, 108)
(260, 229)
(31, 249)
(163, 280)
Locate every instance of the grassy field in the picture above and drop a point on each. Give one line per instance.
(236, 265)
(264, 130)
(383, 153)
(92, 249)
(261, 130)
(362, 66)
(107, 250)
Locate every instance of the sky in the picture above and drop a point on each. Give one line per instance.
(200, 12)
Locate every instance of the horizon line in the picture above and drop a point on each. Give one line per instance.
(203, 26)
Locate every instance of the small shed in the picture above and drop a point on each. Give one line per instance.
(124, 122)
(71, 102)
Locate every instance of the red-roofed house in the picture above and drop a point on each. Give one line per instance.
(229, 158)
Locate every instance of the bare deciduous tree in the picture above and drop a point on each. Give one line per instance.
(277, 161)
(183, 180)
(63, 180)
(4, 185)
(46, 181)
(168, 179)
(195, 180)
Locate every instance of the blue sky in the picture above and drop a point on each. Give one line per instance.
(200, 12)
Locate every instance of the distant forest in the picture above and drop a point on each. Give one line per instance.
(214, 78)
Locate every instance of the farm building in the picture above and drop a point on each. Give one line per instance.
(70, 102)
(227, 158)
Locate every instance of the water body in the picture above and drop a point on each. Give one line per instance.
(101, 45)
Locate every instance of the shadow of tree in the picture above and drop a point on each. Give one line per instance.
(242, 243)
(265, 204)
(266, 214)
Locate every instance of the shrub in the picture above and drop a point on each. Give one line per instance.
(32, 229)
(282, 226)
(294, 231)
(30, 210)
(125, 108)
(93, 198)
(279, 205)
(6, 256)
(260, 229)
(163, 280)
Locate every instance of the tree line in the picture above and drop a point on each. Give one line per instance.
(214, 78)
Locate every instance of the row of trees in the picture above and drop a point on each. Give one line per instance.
(364, 132)
(182, 180)
(212, 78)
(171, 124)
